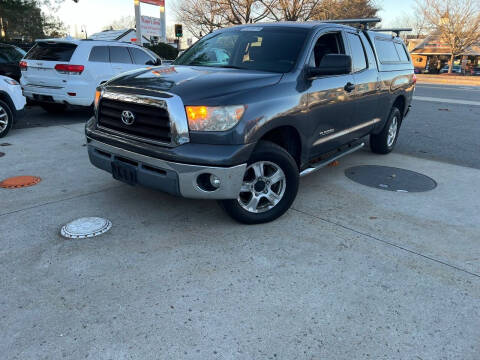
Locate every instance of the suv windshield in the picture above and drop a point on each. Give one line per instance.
(252, 48)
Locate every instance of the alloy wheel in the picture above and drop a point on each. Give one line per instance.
(263, 187)
(3, 119)
(392, 132)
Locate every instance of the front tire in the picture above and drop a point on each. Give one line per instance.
(384, 142)
(6, 118)
(270, 185)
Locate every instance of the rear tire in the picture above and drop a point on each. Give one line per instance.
(269, 188)
(53, 108)
(6, 118)
(384, 142)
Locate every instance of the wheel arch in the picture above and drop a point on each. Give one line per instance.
(7, 99)
(287, 137)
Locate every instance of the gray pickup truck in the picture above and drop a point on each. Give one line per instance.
(247, 110)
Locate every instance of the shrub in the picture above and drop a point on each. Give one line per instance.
(165, 51)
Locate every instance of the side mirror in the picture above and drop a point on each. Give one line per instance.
(332, 64)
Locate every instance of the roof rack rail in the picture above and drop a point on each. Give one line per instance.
(397, 31)
(363, 22)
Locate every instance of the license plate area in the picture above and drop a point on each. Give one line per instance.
(44, 98)
(124, 172)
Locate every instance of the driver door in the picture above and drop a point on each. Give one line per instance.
(330, 101)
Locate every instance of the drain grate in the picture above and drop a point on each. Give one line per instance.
(390, 178)
(20, 182)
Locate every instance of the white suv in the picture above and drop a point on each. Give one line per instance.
(57, 73)
(12, 103)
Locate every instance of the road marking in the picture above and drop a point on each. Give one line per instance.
(451, 101)
(449, 87)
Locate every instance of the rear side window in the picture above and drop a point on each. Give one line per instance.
(359, 62)
(120, 54)
(401, 52)
(386, 51)
(99, 54)
(51, 51)
(140, 57)
(9, 55)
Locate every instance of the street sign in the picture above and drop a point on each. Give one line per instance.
(151, 26)
(154, 2)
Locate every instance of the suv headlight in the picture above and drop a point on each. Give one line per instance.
(213, 118)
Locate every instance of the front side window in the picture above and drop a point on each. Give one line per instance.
(120, 55)
(359, 62)
(330, 43)
(140, 57)
(253, 48)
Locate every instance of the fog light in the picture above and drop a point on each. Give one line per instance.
(215, 181)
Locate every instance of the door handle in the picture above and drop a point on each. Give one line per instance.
(349, 87)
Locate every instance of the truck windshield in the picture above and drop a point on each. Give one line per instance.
(250, 48)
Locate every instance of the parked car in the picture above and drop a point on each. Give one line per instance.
(12, 103)
(475, 71)
(10, 57)
(290, 99)
(57, 73)
(457, 69)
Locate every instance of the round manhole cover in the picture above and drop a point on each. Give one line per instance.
(20, 182)
(390, 178)
(86, 227)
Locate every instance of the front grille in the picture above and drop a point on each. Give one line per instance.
(151, 122)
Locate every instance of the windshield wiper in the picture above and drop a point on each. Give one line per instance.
(230, 67)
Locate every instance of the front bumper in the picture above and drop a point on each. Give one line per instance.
(167, 176)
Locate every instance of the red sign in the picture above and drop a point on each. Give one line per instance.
(154, 2)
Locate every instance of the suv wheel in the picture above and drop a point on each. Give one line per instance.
(270, 185)
(6, 118)
(53, 108)
(385, 141)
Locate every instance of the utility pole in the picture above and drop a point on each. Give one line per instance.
(138, 22)
(163, 21)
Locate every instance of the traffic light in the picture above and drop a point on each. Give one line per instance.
(178, 30)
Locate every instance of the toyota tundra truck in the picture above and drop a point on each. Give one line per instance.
(246, 111)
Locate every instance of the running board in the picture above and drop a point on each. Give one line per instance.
(321, 164)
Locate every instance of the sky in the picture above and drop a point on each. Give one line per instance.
(96, 14)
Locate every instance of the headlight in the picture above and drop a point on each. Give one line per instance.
(11, 82)
(213, 118)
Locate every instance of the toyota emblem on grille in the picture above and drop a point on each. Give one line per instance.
(127, 117)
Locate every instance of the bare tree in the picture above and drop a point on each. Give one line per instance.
(124, 22)
(345, 9)
(291, 10)
(457, 21)
(416, 21)
(205, 16)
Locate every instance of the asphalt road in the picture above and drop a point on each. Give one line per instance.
(443, 124)
(446, 131)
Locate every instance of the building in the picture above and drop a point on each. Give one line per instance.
(430, 54)
(124, 35)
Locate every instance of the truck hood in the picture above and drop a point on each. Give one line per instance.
(194, 84)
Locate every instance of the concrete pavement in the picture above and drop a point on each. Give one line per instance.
(350, 272)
